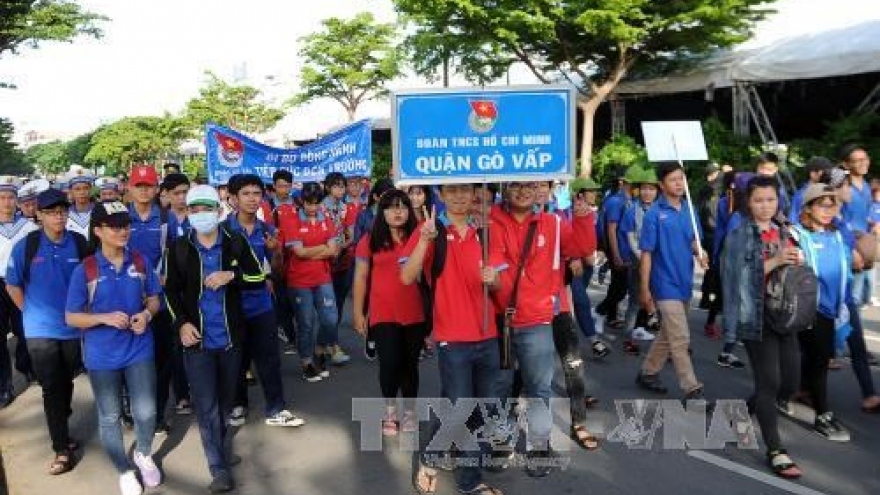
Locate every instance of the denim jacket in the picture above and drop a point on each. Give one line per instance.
(742, 281)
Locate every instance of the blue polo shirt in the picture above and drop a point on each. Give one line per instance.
(146, 235)
(258, 301)
(46, 292)
(215, 335)
(874, 216)
(856, 212)
(794, 213)
(627, 225)
(612, 212)
(667, 234)
(828, 251)
(106, 347)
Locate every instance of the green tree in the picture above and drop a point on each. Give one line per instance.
(132, 140)
(48, 158)
(78, 147)
(350, 61)
(235, 106)
(12, 160)
(29, 22)
(591, 43)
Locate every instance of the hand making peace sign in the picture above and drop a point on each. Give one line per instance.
(429, 228)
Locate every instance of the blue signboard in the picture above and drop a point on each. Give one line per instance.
(347, 150)
(488, 135)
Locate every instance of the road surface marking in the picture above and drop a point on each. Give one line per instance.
(753, 473)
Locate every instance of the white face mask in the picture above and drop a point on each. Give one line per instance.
(204, 222)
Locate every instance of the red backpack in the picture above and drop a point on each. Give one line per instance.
(90, 265)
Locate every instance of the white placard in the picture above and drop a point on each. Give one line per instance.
(675, 141)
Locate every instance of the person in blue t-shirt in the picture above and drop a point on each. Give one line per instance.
(667, 276)
(610, 217)
(827, 253)
(39, 288)
(112, 298)
(261, 338)
(855, 213)
(815, 167)
(206, 273)
(152, 230)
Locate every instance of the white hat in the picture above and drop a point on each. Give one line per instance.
(79, 176)
(30, 190)
(202, 195)
(107, 183)
(9, 183)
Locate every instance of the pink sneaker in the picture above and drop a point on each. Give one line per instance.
(149, 472)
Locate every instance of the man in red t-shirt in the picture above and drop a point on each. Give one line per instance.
(468, 353)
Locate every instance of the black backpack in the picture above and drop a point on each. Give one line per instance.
(32, 245)
(792, 296)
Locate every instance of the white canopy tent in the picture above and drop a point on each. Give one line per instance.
(805, 39)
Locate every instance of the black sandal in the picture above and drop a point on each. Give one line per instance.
(590, 401)
(62, 463)
(782, 465)
(584, 438)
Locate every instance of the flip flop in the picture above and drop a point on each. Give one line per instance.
(62, 463)
(429, 475)
(584, 438)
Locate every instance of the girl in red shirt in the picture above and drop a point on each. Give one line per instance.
(396, 313)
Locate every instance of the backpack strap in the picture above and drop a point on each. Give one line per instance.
(82, 245)
(163, 229)
(31, 246)
(90, 266)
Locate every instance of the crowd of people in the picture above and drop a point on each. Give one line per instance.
(162, 288)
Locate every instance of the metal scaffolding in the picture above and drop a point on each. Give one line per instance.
(748, 110)
(618, 116)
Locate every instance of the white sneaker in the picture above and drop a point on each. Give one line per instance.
(149, 472)
(238, 416)
(642, 334)
(129, 484)
(285, 418)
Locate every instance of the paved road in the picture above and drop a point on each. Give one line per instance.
(324, 456)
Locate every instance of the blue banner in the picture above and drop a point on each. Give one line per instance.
(490, 135)
(347, 150)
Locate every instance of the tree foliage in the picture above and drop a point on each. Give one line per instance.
(132, 140)
(29, 22)
(48, 158)
(592, 44)
(12, 160)
(350, 61)
(235, 106)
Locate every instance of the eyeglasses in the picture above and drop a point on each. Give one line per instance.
(516, 186)
(117, 228)
(55, 212)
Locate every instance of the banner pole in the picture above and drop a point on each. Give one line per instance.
(485, 227)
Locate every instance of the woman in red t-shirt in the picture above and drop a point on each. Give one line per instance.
(396, 312)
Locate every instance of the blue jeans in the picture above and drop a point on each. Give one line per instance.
(862, 286)
(140, 380)
(536, 355)
(260, 345)
(213, 375)
(320, 298)
(633, 305)
(583, 308)
(468, 370)
(342, 282)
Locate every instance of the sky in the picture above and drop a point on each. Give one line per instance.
(153, 56)
(154, 53)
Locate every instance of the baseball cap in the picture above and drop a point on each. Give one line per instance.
(29, 191)
(143, 174)
(50, 198)
(819, 164)
(9, 183)
(112, 213)
(816, 191)
(712, 168)
(202, 195)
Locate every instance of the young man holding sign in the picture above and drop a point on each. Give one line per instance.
(667, 281)
(467, 353)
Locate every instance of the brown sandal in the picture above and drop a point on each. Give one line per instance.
(425, 480)
(584, 438)
(62, 463)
